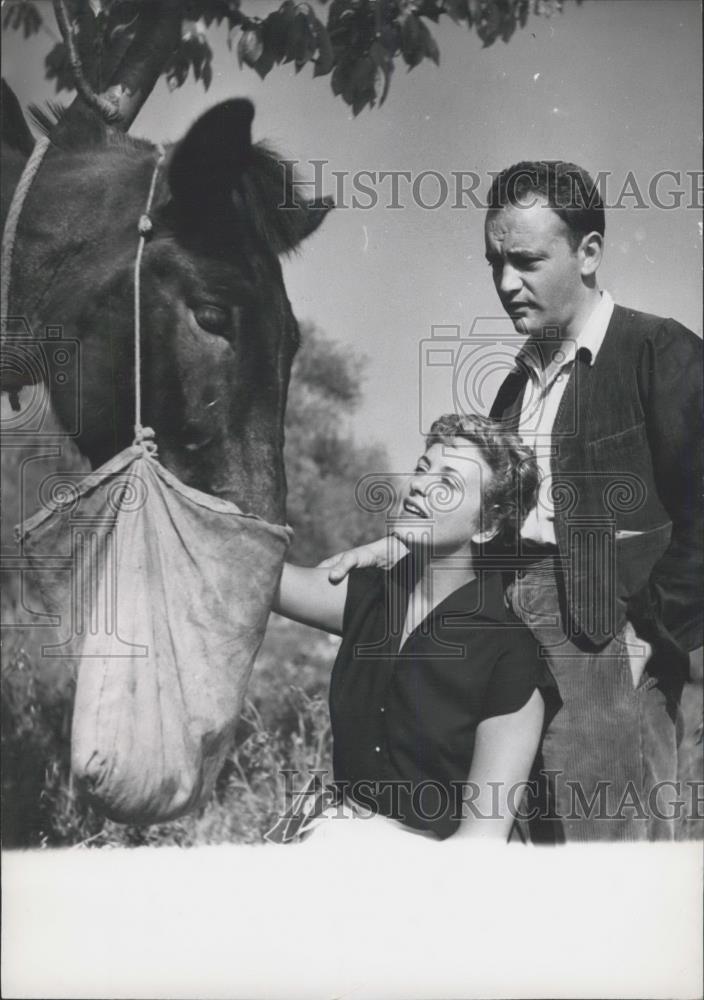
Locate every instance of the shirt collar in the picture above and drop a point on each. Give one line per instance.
(537, 355)
(481, 598)
(592, 334)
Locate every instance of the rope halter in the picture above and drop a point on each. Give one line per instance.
(143, 436)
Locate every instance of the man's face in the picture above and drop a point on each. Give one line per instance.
(537, 274)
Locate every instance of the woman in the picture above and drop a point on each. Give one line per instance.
(438, 694)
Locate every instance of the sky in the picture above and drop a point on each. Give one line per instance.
(613, 85)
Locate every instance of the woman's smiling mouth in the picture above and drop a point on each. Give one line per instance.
(412, 508)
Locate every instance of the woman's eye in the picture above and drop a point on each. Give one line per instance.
(212, 319)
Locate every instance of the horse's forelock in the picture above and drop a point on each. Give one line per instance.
(82, 130)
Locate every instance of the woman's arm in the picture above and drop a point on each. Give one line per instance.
(504, 749)
(307, 596)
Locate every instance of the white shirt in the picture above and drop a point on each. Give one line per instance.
(549, 365)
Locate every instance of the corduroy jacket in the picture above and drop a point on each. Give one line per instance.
(627, 476)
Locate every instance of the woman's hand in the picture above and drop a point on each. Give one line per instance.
(383, 554)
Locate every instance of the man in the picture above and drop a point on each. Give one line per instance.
(610, 577)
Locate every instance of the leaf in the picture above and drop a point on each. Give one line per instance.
(359, 89)
(265, 63)
(274, 36)
(431, 9)
(457, 9)
(58, 68)
(177, 68)
(326, 57)
(489, 22)
(339, 78)
(522, 10)
(390, 38)
(299, 43)
(209, 11)
(287, 18)
(32, 21)
(508, 28)
(411, 44)
(429, 45)
(22, 15)
(250, 47)
(383, 60)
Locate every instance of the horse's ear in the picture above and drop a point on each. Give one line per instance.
(209, 160)
(15, 130)
(302, 221)
(270, 196)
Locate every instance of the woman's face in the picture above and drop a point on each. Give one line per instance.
(439, 509)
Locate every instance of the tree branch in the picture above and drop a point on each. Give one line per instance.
(158, 34)
(105, 107)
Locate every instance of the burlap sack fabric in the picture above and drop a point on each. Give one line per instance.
(163, 594)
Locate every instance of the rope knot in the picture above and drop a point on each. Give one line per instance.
(145, 439)
(144, 226)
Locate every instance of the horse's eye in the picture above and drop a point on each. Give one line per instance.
(213, 319)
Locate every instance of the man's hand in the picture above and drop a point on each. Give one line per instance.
(383, 554)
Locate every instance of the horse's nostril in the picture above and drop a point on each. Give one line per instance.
(195, 438)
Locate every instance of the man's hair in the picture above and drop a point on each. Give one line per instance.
(511, 491)
(568, 189)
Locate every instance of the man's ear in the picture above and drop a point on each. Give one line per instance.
(590, 253)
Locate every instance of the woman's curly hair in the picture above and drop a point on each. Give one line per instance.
(512, 490)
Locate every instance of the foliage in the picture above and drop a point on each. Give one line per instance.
(358, 46)
(323, 464)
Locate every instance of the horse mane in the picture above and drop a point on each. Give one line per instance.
(49, 117)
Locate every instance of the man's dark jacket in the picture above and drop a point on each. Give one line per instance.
(627, 483)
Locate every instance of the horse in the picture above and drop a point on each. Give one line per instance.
(218, 337)
(218, 331)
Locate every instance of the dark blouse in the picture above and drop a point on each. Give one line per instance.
(404, 720)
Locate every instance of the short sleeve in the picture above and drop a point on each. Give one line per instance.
(362, 589)
(518, 671)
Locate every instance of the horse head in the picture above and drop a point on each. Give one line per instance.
(218, 333)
